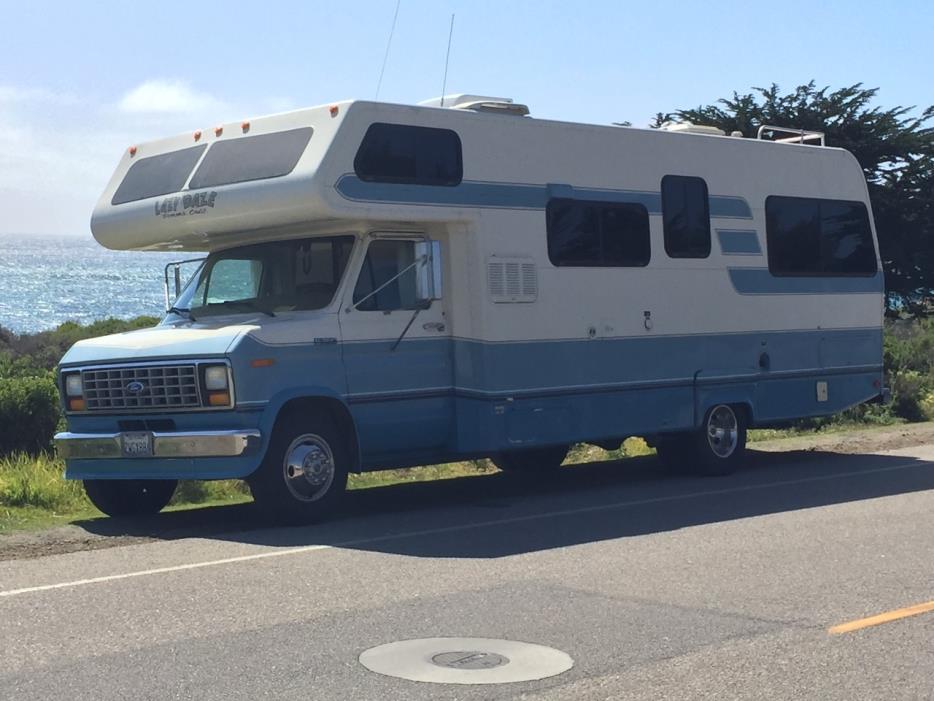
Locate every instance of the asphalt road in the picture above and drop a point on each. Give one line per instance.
(657, 587)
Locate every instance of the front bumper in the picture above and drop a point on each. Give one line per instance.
(182, 444)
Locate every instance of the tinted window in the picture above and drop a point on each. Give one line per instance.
(686, 215)
(251, 158)
(157, 175)
(818, 237)
(600, 234)
(399, 153)
(384, 261)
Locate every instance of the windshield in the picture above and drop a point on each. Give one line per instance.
(269, 277)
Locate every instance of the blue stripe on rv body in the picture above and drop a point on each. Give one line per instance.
(565, 391)
(760, 281)
(515, 196)
(739, 242)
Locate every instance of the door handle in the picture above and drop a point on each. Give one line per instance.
(433, 326)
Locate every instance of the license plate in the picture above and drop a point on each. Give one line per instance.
(136, 445)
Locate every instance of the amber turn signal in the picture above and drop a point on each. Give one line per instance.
(219, 398)
(76, 404)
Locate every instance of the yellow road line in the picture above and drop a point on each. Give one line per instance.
(881, 618)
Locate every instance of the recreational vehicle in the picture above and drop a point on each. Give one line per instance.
(395, 285)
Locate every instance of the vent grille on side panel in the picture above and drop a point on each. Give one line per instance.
(512, 280)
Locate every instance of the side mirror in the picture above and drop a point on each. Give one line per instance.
(428, 283)
(176, 276)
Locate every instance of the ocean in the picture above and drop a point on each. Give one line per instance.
(46, 280)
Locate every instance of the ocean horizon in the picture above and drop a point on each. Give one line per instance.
(50, 279)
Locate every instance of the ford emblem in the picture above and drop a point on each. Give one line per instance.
(135, 387)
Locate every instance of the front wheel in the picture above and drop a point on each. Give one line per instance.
(304, 473)
(130, 497)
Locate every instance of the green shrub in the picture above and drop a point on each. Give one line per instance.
(909, 387)
(29, 413)
(927, 406)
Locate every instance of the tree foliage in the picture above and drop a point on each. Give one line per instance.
(895, 148)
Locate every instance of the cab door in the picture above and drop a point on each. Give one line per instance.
(397, 352)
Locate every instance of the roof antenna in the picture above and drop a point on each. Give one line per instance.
(392, 29)
(447, 58)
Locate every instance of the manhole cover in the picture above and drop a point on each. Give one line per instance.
(470, 660)
(466, 660)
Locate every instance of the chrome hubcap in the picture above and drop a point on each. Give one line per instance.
(308, 467)
(722, 431)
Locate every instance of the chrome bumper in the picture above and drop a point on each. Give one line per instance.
(196, 444)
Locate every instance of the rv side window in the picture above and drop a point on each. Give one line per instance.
(686, 216)
(384, 261)
(157, 175)
(816, 237)
(597, 234)
(251, 158)
(400, 153)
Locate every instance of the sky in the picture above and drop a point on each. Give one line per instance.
(81, 81)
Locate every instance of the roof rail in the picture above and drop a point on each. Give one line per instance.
(800, 136)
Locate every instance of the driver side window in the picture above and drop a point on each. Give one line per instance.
(384, 261)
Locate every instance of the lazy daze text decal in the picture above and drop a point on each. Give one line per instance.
(185, 205)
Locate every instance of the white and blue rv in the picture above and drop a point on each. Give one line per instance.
(391, 285)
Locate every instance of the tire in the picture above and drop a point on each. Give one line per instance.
(675, 451)
(716, 449)
(130, 497)
(532, 460)
(303, 475)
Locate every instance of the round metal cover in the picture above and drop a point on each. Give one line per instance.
(466, 660)
(470, 660)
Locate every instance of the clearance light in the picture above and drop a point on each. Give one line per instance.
(245, 126)
(197, 135)
(132, 150)
(261, 362)
(334, 110)
(218, 131)
(219, 398)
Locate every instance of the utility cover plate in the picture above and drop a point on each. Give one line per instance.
(466, 660)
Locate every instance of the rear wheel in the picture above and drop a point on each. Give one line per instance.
(130, 497)
(717, 448)
(532, 460)
(304, 473)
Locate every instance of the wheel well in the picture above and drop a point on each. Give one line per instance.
(337, 410)
(744, 407)
(747, 410)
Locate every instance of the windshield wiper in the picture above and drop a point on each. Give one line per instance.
(181, 311)
(246, 303)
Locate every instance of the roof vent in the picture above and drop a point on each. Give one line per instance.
(691, 128)
(479, 103)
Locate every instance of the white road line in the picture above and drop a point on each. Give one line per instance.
(459, 527)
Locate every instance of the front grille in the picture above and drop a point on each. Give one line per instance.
(157, 387)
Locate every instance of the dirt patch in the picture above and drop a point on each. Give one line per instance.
(870, 440)
(58, 540)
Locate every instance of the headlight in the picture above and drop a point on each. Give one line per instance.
(73, 385)
(215, 378)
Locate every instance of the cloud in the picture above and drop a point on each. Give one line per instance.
(167, 97)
